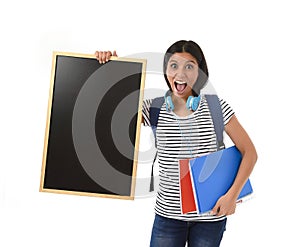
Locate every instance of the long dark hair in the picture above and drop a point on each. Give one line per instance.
(194, 49)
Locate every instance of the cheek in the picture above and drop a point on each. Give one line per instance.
(195, 75)
(193, 78)
(170, 76)
(169, 73)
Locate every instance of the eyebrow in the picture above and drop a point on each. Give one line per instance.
(188, 61)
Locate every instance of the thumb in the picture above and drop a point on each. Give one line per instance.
(215, 210)
(115, 53)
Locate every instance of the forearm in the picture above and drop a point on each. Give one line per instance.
(249, 156)
(246, 167)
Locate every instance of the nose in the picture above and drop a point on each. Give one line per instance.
(180, 74)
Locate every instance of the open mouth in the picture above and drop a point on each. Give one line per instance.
(180, 85)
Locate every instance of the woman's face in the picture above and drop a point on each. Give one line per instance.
(182, 73)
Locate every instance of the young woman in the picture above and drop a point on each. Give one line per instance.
(184, 133)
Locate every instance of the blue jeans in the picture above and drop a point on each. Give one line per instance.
(176, 233)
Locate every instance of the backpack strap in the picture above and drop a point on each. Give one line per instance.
(154, 114)
(217, 117)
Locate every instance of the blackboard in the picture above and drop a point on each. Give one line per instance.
(93, 126)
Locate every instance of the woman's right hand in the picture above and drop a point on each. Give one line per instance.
(104, 56)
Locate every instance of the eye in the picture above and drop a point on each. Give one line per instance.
(189, 66)
(173, 65)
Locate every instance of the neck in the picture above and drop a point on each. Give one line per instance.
(180, 106)
(178, 101)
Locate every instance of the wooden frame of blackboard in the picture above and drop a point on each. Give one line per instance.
(139, 78)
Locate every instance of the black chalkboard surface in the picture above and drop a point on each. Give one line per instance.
(93, 126)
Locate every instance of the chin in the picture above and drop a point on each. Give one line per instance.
(181, 95)
(184, 94)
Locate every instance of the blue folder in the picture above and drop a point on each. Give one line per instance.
(213, 175)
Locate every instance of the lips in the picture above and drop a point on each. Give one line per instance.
(180, 85)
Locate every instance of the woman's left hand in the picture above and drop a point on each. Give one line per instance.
(226, 205)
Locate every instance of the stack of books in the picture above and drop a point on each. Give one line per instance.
(205, 179)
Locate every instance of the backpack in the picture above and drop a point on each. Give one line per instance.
(216, 114)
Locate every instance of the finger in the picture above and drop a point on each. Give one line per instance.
(103, 57)
(97, 54)
(216, 209)
(108, 55)
(115, 53)
(100, 56)
(220, 212)
(232, 210)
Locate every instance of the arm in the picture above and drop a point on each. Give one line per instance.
(226, 204)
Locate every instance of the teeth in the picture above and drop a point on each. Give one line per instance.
(181, 82)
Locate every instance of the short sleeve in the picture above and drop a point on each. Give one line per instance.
(146, 111)
(226, 110)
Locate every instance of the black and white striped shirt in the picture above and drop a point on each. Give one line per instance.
(181, 138)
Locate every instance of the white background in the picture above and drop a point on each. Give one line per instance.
(252, 51)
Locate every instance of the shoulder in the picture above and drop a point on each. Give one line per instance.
(151, 109)
(214, 101)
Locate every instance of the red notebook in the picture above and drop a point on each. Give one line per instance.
(188, 203)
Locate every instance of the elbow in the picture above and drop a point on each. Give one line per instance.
(250, 154)
(253, 154)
